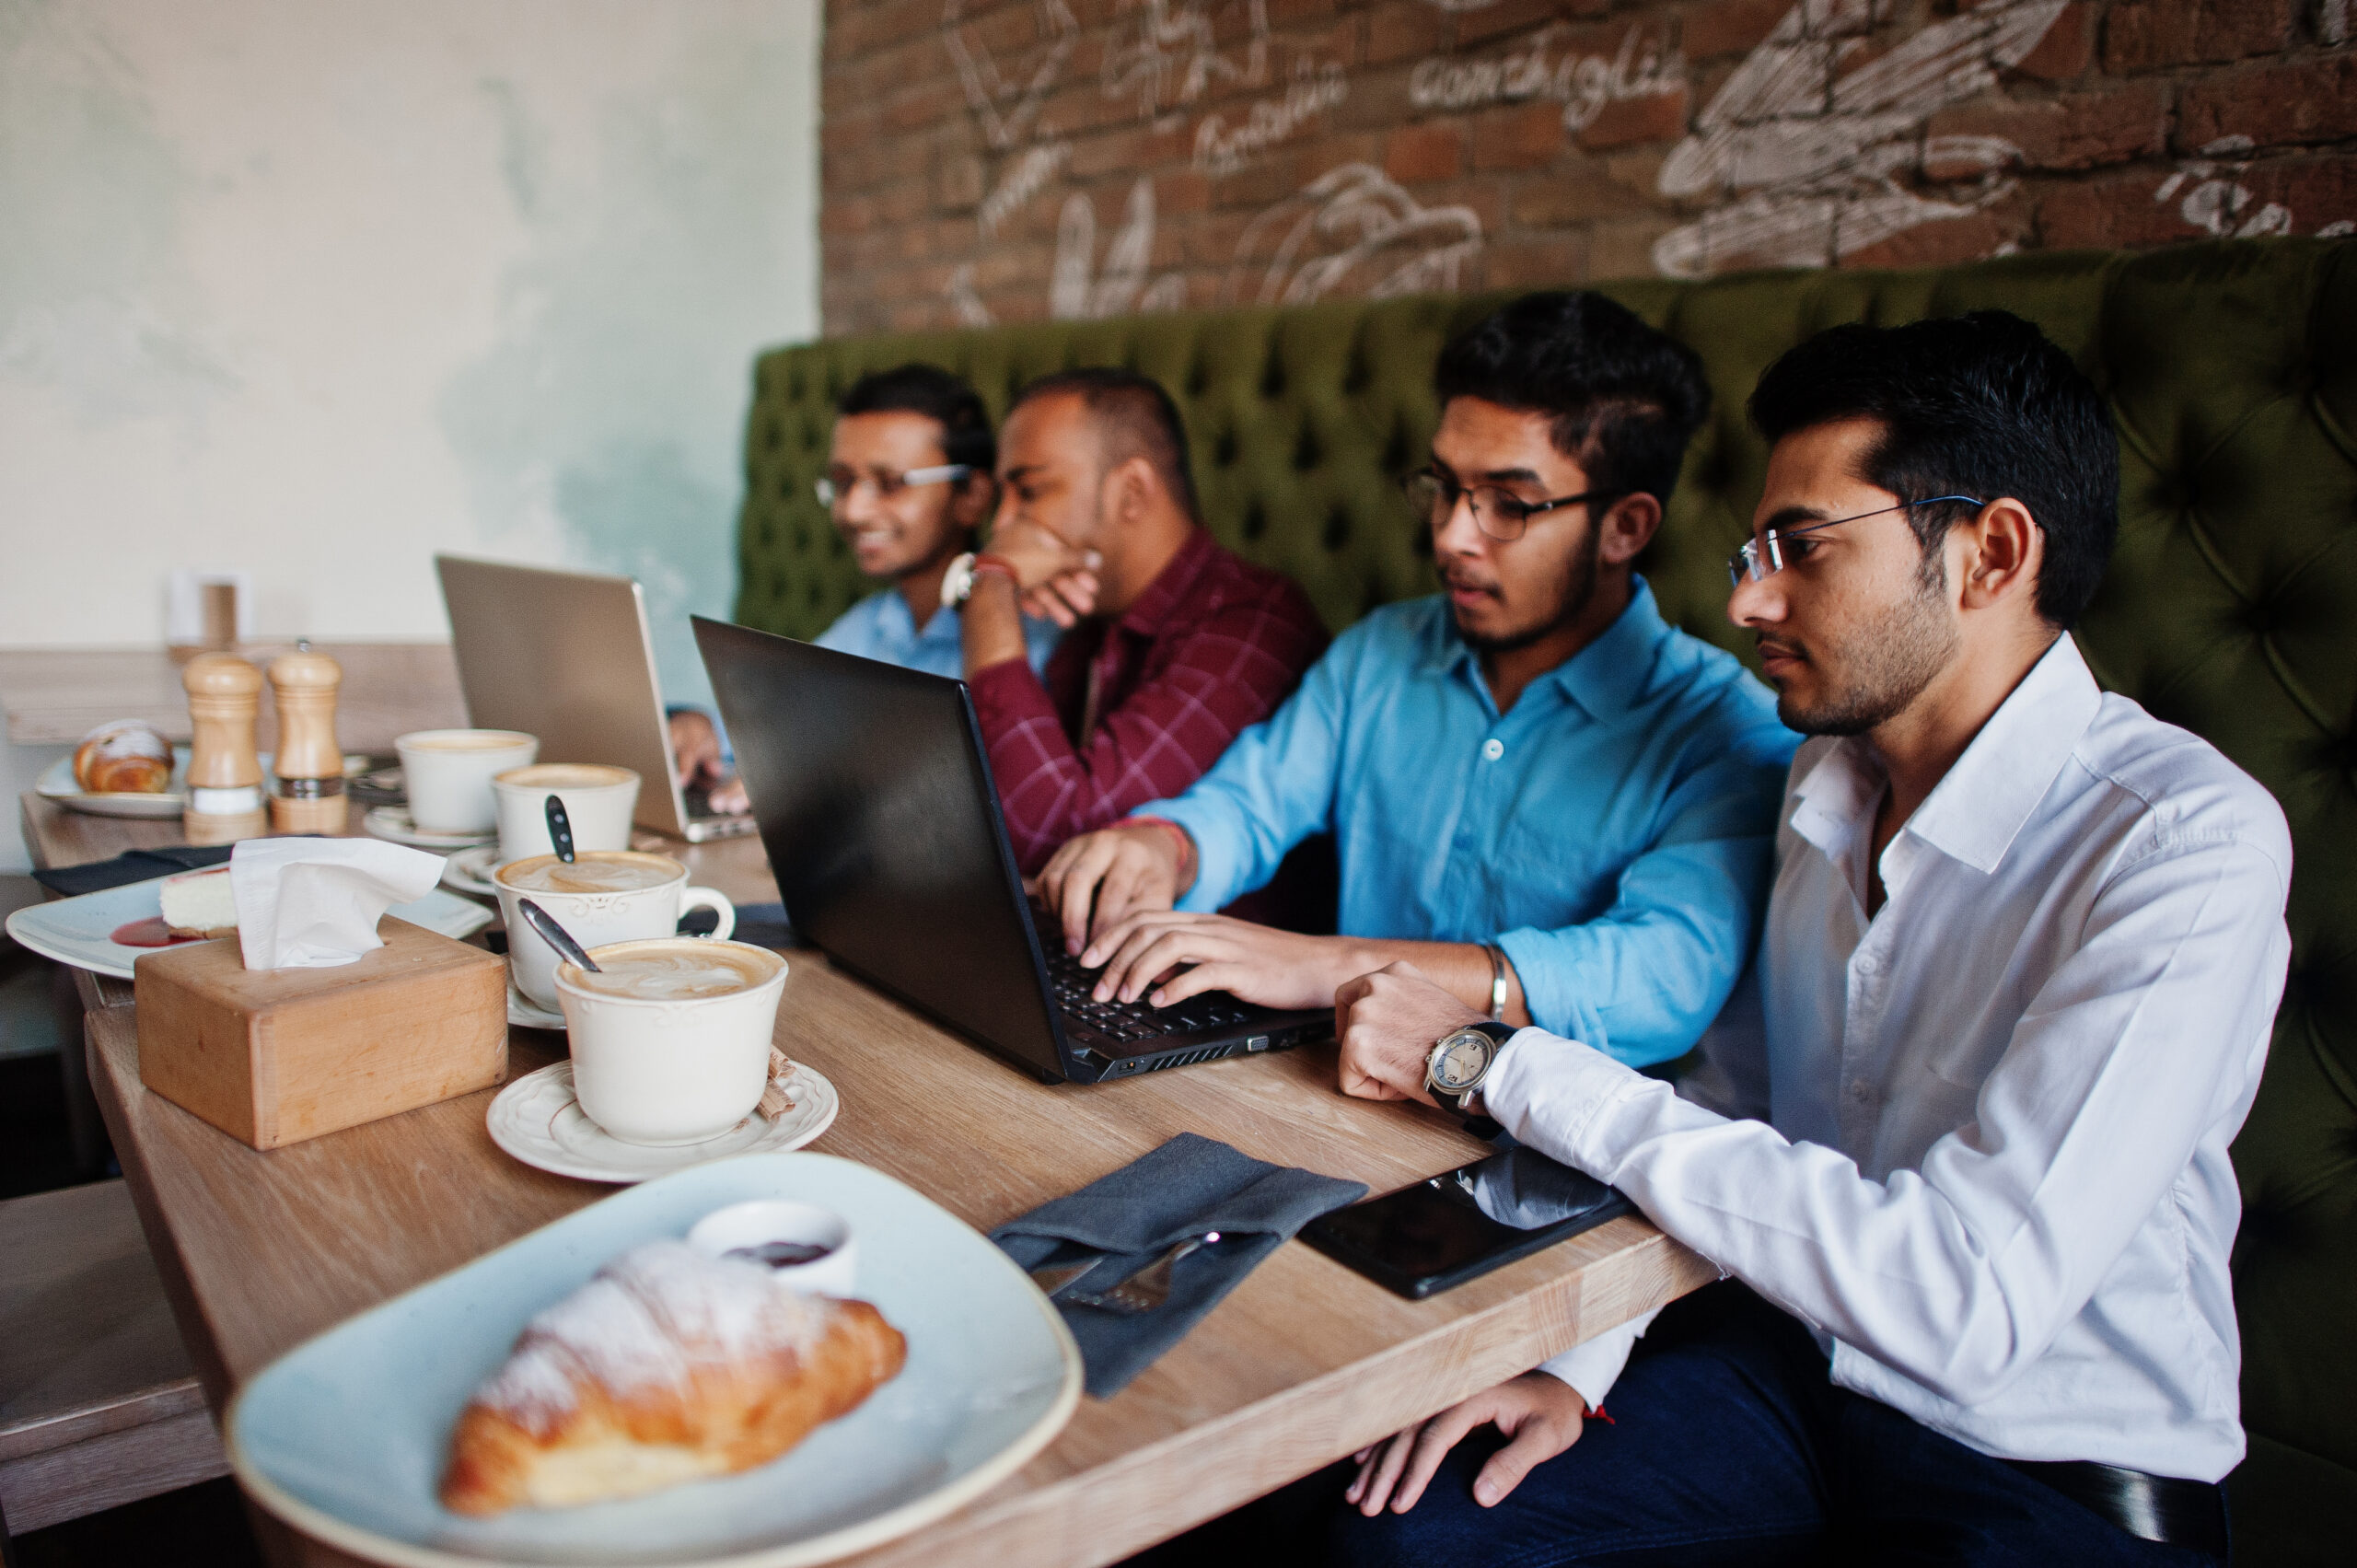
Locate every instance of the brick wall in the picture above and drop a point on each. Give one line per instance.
(1016, 159)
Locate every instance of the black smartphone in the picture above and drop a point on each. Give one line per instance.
(1462, 1224)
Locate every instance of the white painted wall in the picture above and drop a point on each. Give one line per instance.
(318, 288)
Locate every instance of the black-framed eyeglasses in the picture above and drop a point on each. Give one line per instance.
(1497, 512)
(1763, 558)
(837, 484)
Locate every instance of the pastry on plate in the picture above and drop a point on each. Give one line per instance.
(669, 1367)
(197, 903)
(123, 756)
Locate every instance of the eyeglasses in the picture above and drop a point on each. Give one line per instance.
(1763, 558)
(1496, 512)
(837, 484)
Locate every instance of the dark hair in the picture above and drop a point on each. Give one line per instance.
(941, 397)
(1135, 418)
(1624, 398)
(1984, 405)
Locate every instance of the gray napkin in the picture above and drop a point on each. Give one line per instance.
(1183, 1188)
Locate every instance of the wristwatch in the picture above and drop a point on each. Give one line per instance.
(1460, 1061)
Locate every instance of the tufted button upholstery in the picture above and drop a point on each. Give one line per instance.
(2231, 607)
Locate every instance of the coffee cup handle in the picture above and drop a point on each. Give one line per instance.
(717, 903)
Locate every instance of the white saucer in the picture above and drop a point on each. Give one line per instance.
(468, 871)
(537, 1120)
(393, 823)
(522, 1009)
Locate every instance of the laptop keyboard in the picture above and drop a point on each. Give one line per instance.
(1137, 1020)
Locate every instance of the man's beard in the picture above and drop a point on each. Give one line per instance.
(1573, 594)
(1893, 659)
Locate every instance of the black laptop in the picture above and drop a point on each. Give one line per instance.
(873, 792)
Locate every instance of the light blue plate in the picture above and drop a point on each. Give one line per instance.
(346, 1437)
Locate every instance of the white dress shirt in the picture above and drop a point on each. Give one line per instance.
(1989, 1168)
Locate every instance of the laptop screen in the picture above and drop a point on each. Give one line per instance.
(875, 803)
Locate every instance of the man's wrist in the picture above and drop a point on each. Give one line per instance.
(1185, 873)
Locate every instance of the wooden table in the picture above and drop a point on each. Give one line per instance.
(1303, 1362)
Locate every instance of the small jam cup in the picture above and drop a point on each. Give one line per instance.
(765, 1220)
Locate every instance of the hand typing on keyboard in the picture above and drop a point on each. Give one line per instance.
(1164, 957)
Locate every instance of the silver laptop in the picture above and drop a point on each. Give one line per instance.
(565, 655)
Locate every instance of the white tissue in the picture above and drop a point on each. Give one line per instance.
(314, 903)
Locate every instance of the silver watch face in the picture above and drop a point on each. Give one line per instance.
(1461, 1058)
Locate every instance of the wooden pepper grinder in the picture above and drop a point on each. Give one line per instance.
(225, 801)
(306, 790)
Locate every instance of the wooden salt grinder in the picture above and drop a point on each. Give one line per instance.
(225, 801)
(306, 795)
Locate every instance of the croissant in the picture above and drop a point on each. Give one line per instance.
(125, 756)
(669, 1367)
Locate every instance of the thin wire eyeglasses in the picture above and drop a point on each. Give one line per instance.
(832, 488)
(1763, 558)
(1496, 512)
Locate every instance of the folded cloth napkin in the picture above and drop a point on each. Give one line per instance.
(133, 865)
(314, 903)
(1187, 1187)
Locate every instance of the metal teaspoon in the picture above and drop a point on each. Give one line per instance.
(556, 935)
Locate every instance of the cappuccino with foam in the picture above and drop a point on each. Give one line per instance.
(676, 970)
(600, 871)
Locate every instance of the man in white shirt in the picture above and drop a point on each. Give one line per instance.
(1966, 1146)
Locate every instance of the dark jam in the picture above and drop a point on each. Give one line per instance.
(150, 932)
(782, 1254)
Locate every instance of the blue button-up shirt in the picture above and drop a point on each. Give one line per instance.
(880, 627)
(1614, 832)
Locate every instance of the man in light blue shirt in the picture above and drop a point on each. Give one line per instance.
(909, 483)
(1545, 797)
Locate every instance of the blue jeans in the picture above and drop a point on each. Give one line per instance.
(1731, 1444)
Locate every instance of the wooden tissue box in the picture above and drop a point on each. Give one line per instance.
(276, 1056)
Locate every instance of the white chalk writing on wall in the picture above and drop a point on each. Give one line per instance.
(1175, 57)
(2216, 200)
(1802, 162)
(1583, 85)
(1081, 290)
(1005, 105)
(1314, 88)
(1354, 230)
(1022, 180)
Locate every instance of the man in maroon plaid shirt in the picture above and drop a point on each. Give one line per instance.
(1175, 645)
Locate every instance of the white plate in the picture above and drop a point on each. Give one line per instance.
(80, 931)
(522, 1009)
(393, 823)
(992, 1376)
(468, 871)
(538, 1119)
(56, 783)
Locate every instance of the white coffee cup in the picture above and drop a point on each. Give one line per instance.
(598, 802)
(763, 1220)
(678, 1069)
(448, 774)
(617, 911)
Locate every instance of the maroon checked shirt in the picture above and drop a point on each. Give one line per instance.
(1138, 709)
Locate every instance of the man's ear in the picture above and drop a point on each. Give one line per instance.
(973, 500)
(1131, 489)
(2005, 550)
(1627, 526)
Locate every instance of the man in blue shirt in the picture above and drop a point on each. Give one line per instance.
(1552, 802)
(909, 485)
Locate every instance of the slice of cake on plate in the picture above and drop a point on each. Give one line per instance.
(198, 904)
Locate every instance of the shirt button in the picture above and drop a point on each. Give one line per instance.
(1869, 963)
(1861, 1091)
(1493, 749)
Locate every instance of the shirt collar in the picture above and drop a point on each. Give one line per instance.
(1974, 814)
(1172, 585)
(1976, 811)
(1605, 679)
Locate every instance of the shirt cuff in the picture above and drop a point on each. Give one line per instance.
(1551, 1093)
(1591, 1368)
(1215, 856)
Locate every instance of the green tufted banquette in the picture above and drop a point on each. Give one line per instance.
(2231, 607)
